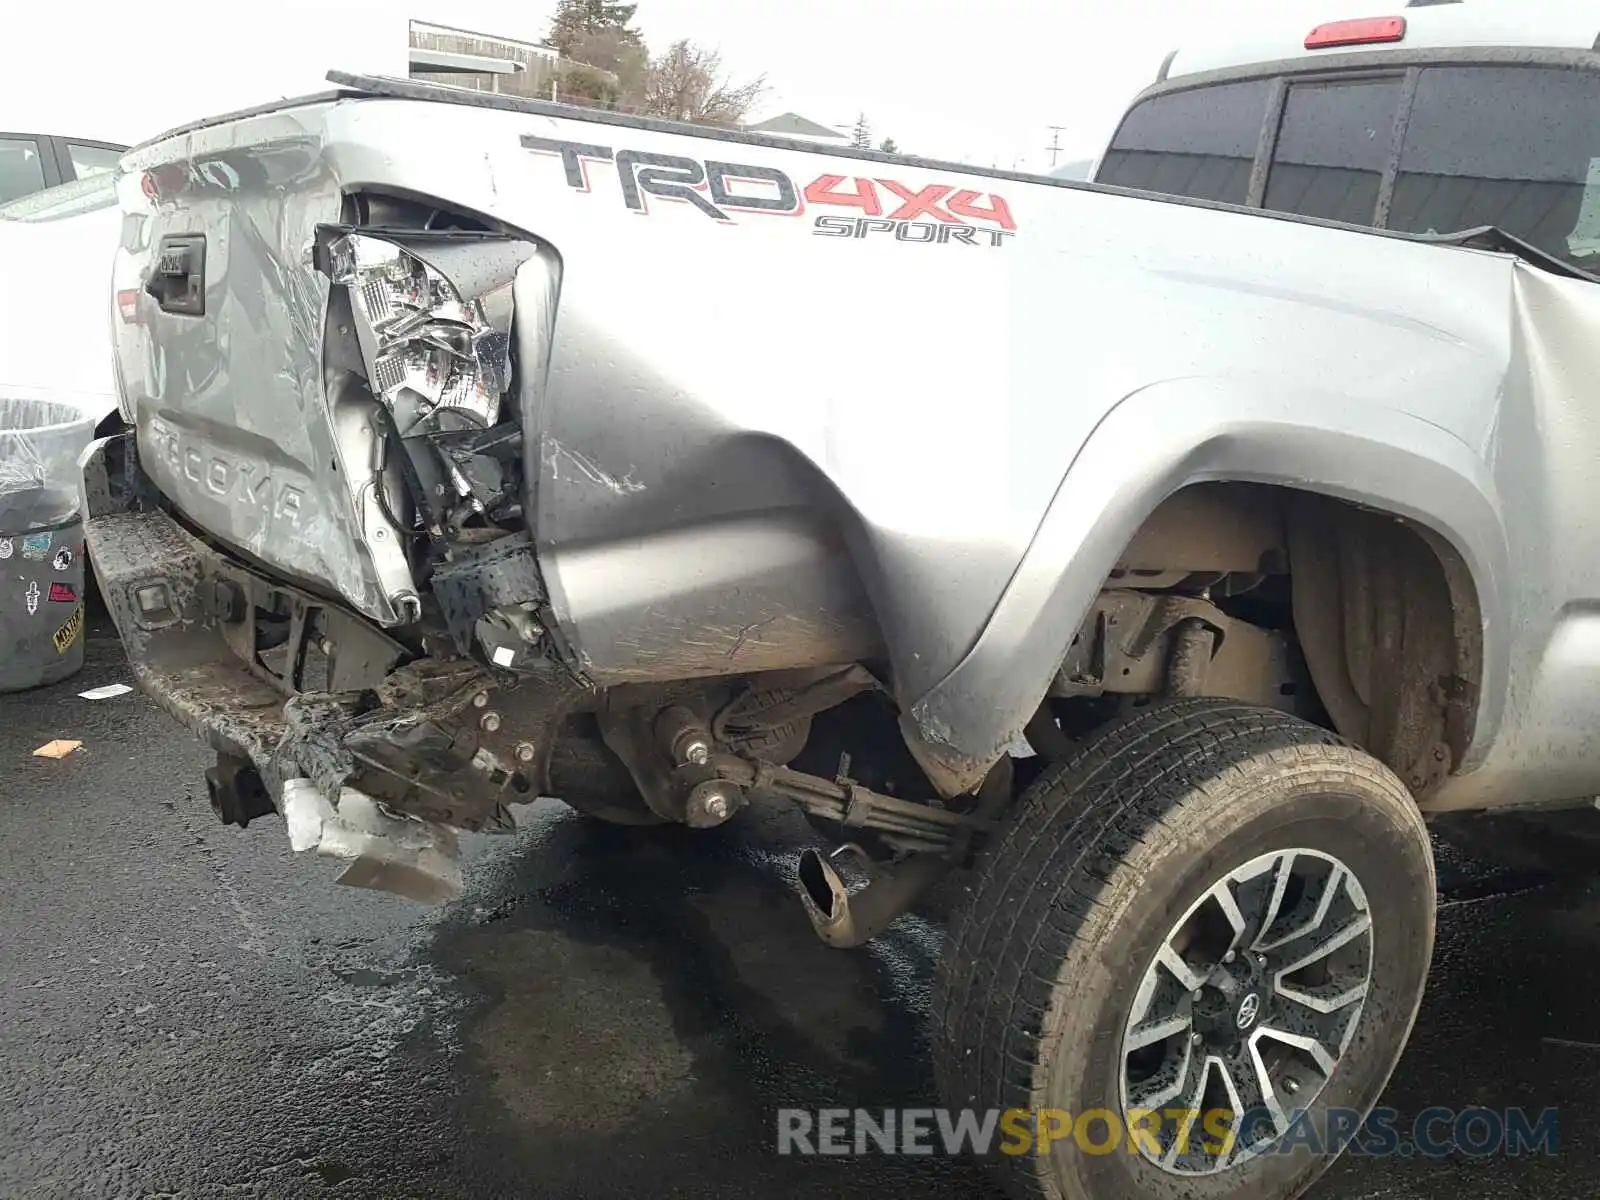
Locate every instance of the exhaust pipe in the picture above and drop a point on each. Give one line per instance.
(845, 920)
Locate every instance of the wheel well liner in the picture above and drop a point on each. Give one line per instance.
(1385, 612)
(1391, 628)
(1204, 430)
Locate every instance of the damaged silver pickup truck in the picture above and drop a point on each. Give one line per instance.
(1155, 565)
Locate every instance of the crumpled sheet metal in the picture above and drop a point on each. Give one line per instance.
(420, 860)
(240, 426)
(40, 441)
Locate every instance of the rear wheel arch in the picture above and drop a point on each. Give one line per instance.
(1385, 611)
(1195, 434)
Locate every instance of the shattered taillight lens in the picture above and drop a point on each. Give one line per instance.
(420, 335)
(432, 311)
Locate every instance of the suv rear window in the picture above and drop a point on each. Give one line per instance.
(93, 158)
(1198, 143)
(1516, 147)
(1334, 144)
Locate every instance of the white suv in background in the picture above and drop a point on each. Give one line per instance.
(57, 249)
(1438, 118)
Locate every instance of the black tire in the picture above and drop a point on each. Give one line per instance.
(587, 776)
(1069, 905)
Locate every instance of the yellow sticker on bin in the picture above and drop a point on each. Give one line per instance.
(68, 633)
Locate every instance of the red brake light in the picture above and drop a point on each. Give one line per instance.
(128, 304)
(1365, 31)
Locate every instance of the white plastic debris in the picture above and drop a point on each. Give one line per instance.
(109, 692)
(304, 809)
(420, 860)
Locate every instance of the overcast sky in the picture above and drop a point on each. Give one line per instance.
(976, 80)
(966, 79)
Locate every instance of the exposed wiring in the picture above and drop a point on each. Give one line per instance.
(382, 496)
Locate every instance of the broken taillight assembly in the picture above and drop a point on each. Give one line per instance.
(432, 313)
(419, 335)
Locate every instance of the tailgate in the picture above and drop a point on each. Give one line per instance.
(264, 336)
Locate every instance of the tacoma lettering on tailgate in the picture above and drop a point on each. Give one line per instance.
(937, 213)
(250, 484)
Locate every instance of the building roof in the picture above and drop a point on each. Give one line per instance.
(794, 125)
(437, 30)
(448, 62)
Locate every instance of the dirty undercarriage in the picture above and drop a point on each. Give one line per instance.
(304, 700)
(378, 745)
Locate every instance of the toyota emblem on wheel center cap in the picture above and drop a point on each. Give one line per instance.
(1249, 1010)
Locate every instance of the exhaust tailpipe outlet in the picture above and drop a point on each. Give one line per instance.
(846, 920)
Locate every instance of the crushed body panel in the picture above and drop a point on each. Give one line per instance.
(897, 409)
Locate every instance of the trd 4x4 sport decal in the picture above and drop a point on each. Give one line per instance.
(937, 213)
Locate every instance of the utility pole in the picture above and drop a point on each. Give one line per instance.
(1055, 143)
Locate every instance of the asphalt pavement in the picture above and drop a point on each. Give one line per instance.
(188, 1010)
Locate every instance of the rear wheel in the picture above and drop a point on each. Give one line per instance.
(1211, 908)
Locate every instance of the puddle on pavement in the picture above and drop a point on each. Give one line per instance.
(653, 997)
(650, 998)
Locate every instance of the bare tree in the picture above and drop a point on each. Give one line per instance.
(685, 82)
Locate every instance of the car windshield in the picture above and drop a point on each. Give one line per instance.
(64, 200)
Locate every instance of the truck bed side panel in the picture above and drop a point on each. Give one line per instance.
(780, 381)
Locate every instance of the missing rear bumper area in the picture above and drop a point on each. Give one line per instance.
(377, 748)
